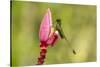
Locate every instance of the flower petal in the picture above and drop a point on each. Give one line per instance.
(45, 26)
(53, 38)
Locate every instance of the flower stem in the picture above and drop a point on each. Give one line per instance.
(43, 52)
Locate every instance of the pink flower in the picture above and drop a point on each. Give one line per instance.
(47, 36)
(45, 26)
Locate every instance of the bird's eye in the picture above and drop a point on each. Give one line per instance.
(58, 20)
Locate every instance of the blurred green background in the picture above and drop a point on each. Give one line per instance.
(78, 23)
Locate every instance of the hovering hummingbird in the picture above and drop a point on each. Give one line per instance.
(61, 33)
(49, 34)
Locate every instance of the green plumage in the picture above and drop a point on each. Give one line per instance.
(61, 33)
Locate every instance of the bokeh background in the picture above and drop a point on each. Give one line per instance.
(78, 23)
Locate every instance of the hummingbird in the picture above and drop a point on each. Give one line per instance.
(58, 27)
